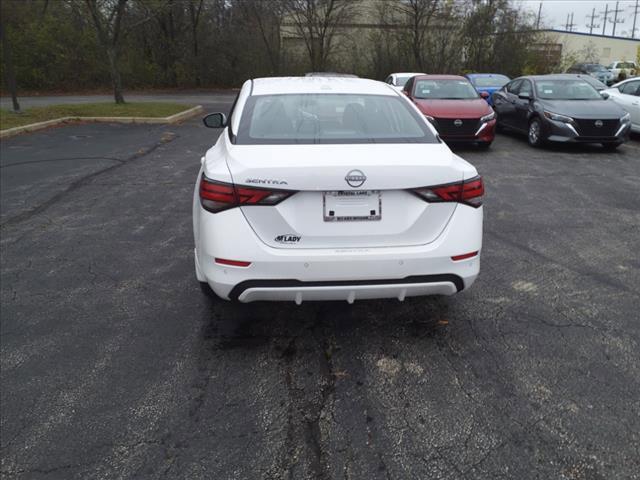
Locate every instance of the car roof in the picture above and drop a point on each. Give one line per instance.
(407, 73)
(441, 77)
(486, 75)
(555, 76)
(330, 74)
(284, 85)
(582, 76)
(626, 81)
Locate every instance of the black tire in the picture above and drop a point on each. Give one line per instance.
(484, 145)
(534, 134)
(610, 147)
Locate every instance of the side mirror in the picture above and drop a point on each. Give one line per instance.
(484, 95)
(605, 95)
(215, 120)
(524, 96)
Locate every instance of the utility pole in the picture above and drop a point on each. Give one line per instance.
(591, 25)
(569, 26)
(615, 20)
(604, 22)
(636, 9)
(540, 14)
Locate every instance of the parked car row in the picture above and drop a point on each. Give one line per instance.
(567, 108)
(313, 175)
(615, 72)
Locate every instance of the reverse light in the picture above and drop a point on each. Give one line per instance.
(464, 256)
(557, 117)
(232, 263)
(217, 196)
(469, 192)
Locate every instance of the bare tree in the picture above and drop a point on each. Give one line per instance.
(417, 15)
(7, 58)
(268, 17)
(316, 22)
(195, 11)
(107, 18)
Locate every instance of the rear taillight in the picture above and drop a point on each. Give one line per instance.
(218, 196)
(469, 192)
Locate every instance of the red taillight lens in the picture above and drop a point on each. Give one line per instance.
(218, 196)
(469, 192)
(464, 256)
(232, 263)
(472, 192)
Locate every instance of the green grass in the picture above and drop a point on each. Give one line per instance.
(8, 119)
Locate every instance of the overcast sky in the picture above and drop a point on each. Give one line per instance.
(554, 14)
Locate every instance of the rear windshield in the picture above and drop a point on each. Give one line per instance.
(493, 81)
(445, 89)
(566, 90)
(330, 118)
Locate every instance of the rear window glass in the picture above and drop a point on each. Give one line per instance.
(331, 118)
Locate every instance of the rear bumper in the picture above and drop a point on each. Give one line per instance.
(297, 291)
(335, 273)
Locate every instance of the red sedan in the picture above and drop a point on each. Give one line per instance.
(454, 107)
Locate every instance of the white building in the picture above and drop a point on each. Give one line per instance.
(585, 47)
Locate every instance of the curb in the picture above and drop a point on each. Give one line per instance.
(32, 127)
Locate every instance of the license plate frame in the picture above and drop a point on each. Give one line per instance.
(352, 206)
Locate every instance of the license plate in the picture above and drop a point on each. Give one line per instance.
(352, 206)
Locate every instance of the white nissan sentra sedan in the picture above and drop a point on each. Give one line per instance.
(333, 189)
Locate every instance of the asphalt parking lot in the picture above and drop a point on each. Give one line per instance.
(114, 364)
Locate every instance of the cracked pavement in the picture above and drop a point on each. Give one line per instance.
(115, 365)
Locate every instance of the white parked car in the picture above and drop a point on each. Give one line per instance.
(629, 68)
(627, 95)
(398, 80)
(333, 189)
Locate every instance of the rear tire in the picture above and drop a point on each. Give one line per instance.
(534, 134)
